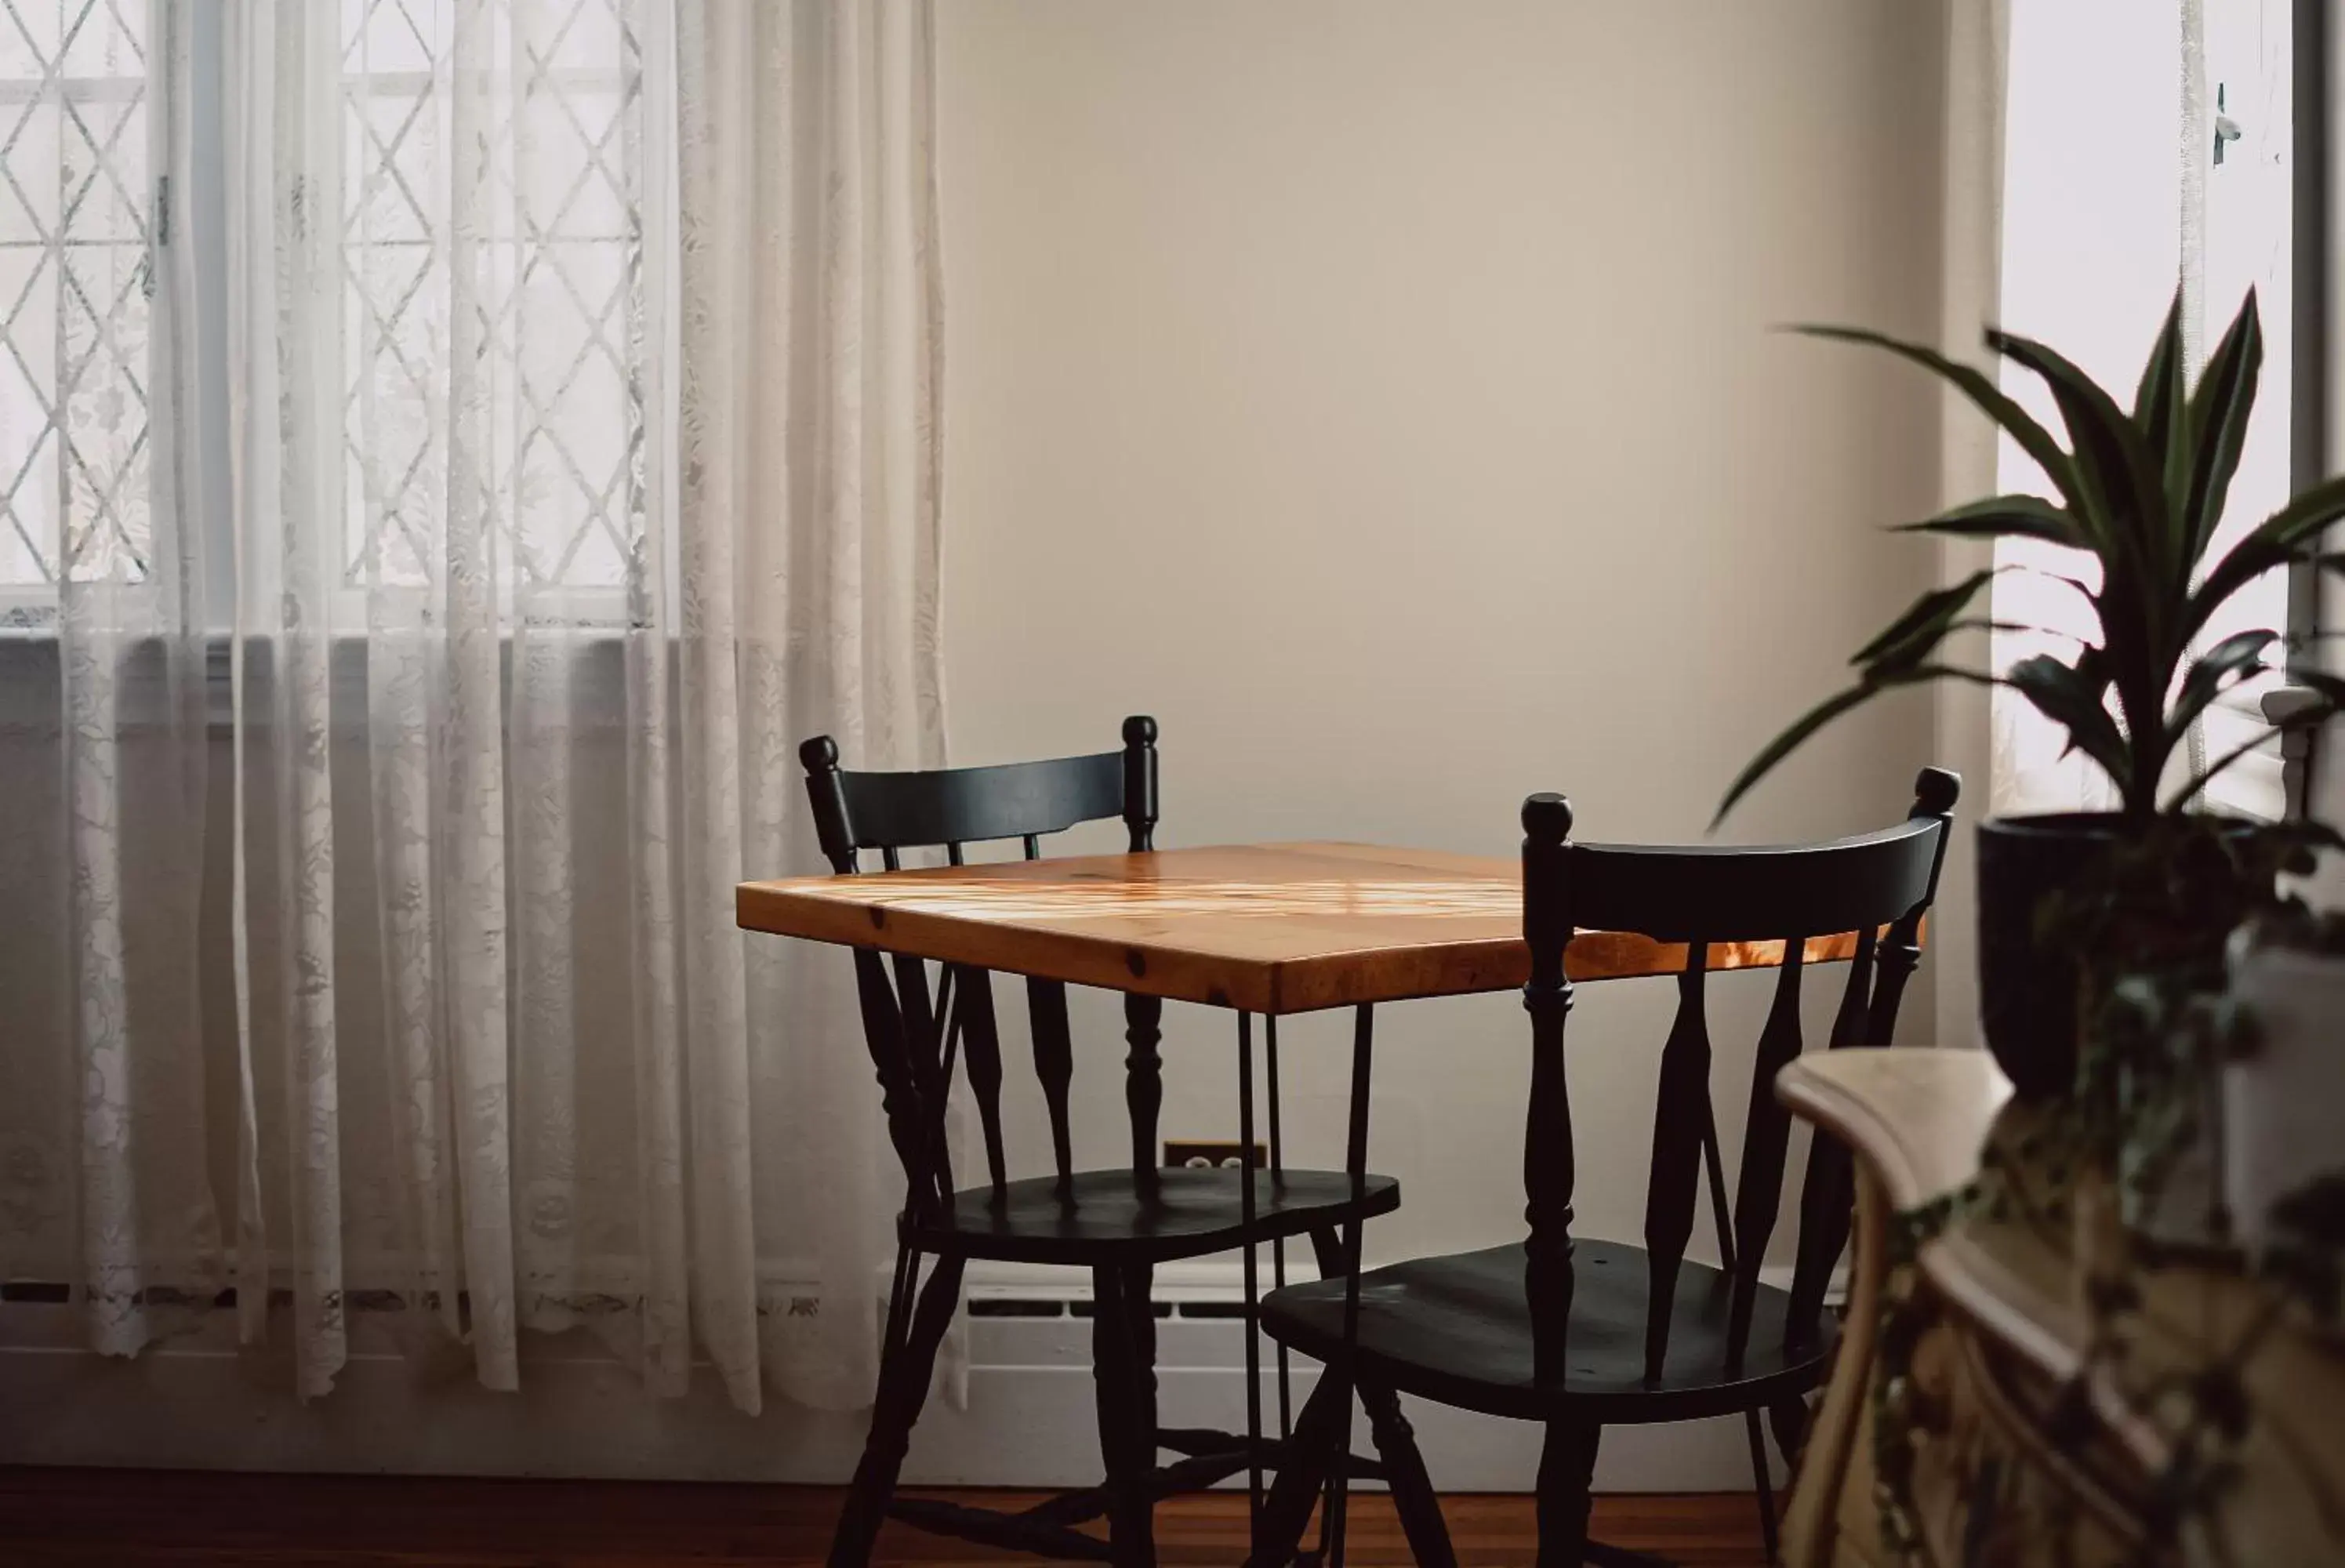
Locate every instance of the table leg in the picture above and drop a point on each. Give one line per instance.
(1278, 1246)
(1253, 1283)
(1300, 1467)
(1356, 1165)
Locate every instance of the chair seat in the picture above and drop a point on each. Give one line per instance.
(1457, 1329)
(1109, 1219)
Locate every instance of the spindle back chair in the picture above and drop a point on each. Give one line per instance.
(1118, 1223)
(1581, 1334)
(904, 1027)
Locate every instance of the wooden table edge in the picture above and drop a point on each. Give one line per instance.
(1279, 988)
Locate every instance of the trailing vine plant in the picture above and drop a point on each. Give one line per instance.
(2157, 1025)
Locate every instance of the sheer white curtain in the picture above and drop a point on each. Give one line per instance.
(1977, 65)
(102, 1146)
(581, 362)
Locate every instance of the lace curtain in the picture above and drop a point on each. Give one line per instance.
(581, 360)
(1977, 63)
(102, 1166)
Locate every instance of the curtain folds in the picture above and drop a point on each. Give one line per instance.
(582, 360)
(1977, 63)
(130, 656)
(103, 1170)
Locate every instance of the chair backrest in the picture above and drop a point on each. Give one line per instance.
(913, 1037)
(1878, 886)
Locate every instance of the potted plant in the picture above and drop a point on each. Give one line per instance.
(2283, 1093)
(2138, 491)
(2189, 943)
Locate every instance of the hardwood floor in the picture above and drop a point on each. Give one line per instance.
(187, 1519)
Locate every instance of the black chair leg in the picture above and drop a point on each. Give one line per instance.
(903, 1372)
(1125, 1446)
(1139, 1307)
(1140, 1327)
(1789, 1418)
(1304, 1463)
(1759, 1476)
(1566, 1466)
(1413, 1498)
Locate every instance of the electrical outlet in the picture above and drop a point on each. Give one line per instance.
(1210, 1153)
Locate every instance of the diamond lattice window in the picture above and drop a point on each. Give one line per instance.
(75, 283)
(531, 154)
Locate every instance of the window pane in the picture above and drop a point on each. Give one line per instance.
(554, 104)
(75, 283)
(2092, 242)
(2245, 244)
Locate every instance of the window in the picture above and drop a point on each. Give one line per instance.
(2149, 140)
(75, 283)
(557, 252)
(553, 301)
(2243, 70)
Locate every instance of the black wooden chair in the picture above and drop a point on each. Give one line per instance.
(1580, 1335)
(1118, 1223)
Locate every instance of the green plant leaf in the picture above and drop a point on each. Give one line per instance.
(2111, 458)
(1824, 712)
(2074, 700)
(2159, 402)
(2274, 542)
(2094, 675)
(1909, 638)
(2137, 539)
(1979, 389)
(1989, 623)
(2218, 419)
(2234, 656)
(2005, 517)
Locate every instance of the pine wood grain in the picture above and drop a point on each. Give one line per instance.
(1268, 927)
(183, 1519)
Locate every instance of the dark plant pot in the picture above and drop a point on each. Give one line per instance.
(2027, 991)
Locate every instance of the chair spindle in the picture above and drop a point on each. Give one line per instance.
(1054, 1066)
(1143, 1088)
(1766, 1134)
(1677, 1121)
(1828, 1188)
(1549, 1173)
(982, 1040)
(901, 1100)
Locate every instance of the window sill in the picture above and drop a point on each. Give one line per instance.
(593, 677)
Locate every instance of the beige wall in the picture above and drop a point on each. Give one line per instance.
(1380, 392)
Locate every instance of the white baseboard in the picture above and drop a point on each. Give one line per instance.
(197, 1401)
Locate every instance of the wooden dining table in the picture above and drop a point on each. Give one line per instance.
(1268, 929)
(1259, 929)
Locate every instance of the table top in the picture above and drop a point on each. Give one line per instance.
(1264, 927)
